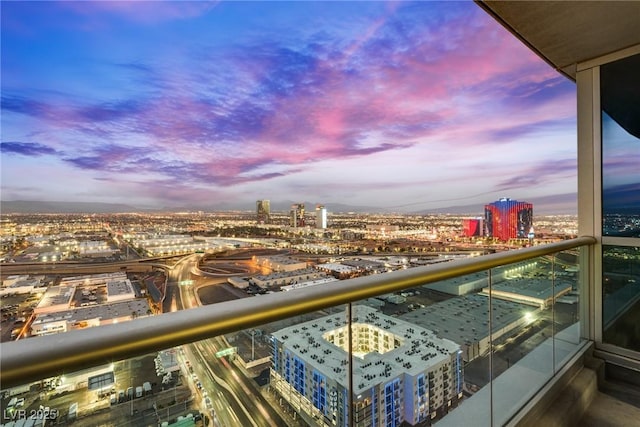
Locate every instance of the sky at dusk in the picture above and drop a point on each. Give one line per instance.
(403, 106)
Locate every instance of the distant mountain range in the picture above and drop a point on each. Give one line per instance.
(547, 205)
(30, 206)
(556, 204)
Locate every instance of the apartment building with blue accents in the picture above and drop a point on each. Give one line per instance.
(401, 373)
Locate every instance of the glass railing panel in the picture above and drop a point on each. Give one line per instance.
(146, 390)
(213, 377)
(421, 352)
(301, 371)
(522, 326)
(428, 354)
(294, 372)
(566, 305)
(621, 296)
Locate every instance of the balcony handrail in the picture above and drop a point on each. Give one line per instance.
(33, 359)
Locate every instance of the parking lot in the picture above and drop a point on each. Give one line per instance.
(15, 311)
(112, 406)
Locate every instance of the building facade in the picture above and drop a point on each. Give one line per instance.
(402, 374)
(321, 217)
(296, 215)
(472, 227)
(508, 219)
(263, 211)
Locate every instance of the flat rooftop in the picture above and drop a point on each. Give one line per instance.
(280, 259)
(363, 263)
(57, 295)
(285, 274)
(308, 283)
(119, 287)
(103, 312)
(339, 268)
(451, 286)
(95, 279)
(533, 288)
(410, 349)
(465, 319)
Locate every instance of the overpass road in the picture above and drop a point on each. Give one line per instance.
(236, 398)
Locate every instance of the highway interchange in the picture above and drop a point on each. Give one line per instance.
(236, 399)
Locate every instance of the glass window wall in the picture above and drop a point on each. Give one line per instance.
(620, 102)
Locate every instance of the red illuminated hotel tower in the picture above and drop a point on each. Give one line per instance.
(508, 219)
(472, 227)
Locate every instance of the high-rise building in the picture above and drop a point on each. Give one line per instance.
(321, 217)
(263, 211)
(508, 219)
(472, 227)
(296, 215)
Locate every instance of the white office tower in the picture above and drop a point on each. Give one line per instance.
(403, 374)
(321, 217)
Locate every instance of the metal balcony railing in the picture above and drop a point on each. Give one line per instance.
(37, 358)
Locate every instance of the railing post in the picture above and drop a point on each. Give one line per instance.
(490, 348)
(350, 334)
(553, 312)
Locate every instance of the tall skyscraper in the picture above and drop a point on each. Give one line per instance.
(296, 215)
(263, 211)
(321, 217)
(508, 219)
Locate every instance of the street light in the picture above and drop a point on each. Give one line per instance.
(528, 317)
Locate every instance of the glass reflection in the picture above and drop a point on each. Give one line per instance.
(621, 296)
(620, 89)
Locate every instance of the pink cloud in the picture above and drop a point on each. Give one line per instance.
(451, 82)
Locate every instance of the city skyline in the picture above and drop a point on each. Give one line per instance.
(405, 107)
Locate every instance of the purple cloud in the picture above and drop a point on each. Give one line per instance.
(111, 157)
(110, 111)
(31, 149)
(511, 133)
(539, 174)
(26, 106)
(210, 102)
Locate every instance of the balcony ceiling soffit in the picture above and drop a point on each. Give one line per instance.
(566, 33)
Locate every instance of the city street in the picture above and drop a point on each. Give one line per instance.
(237, 400)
